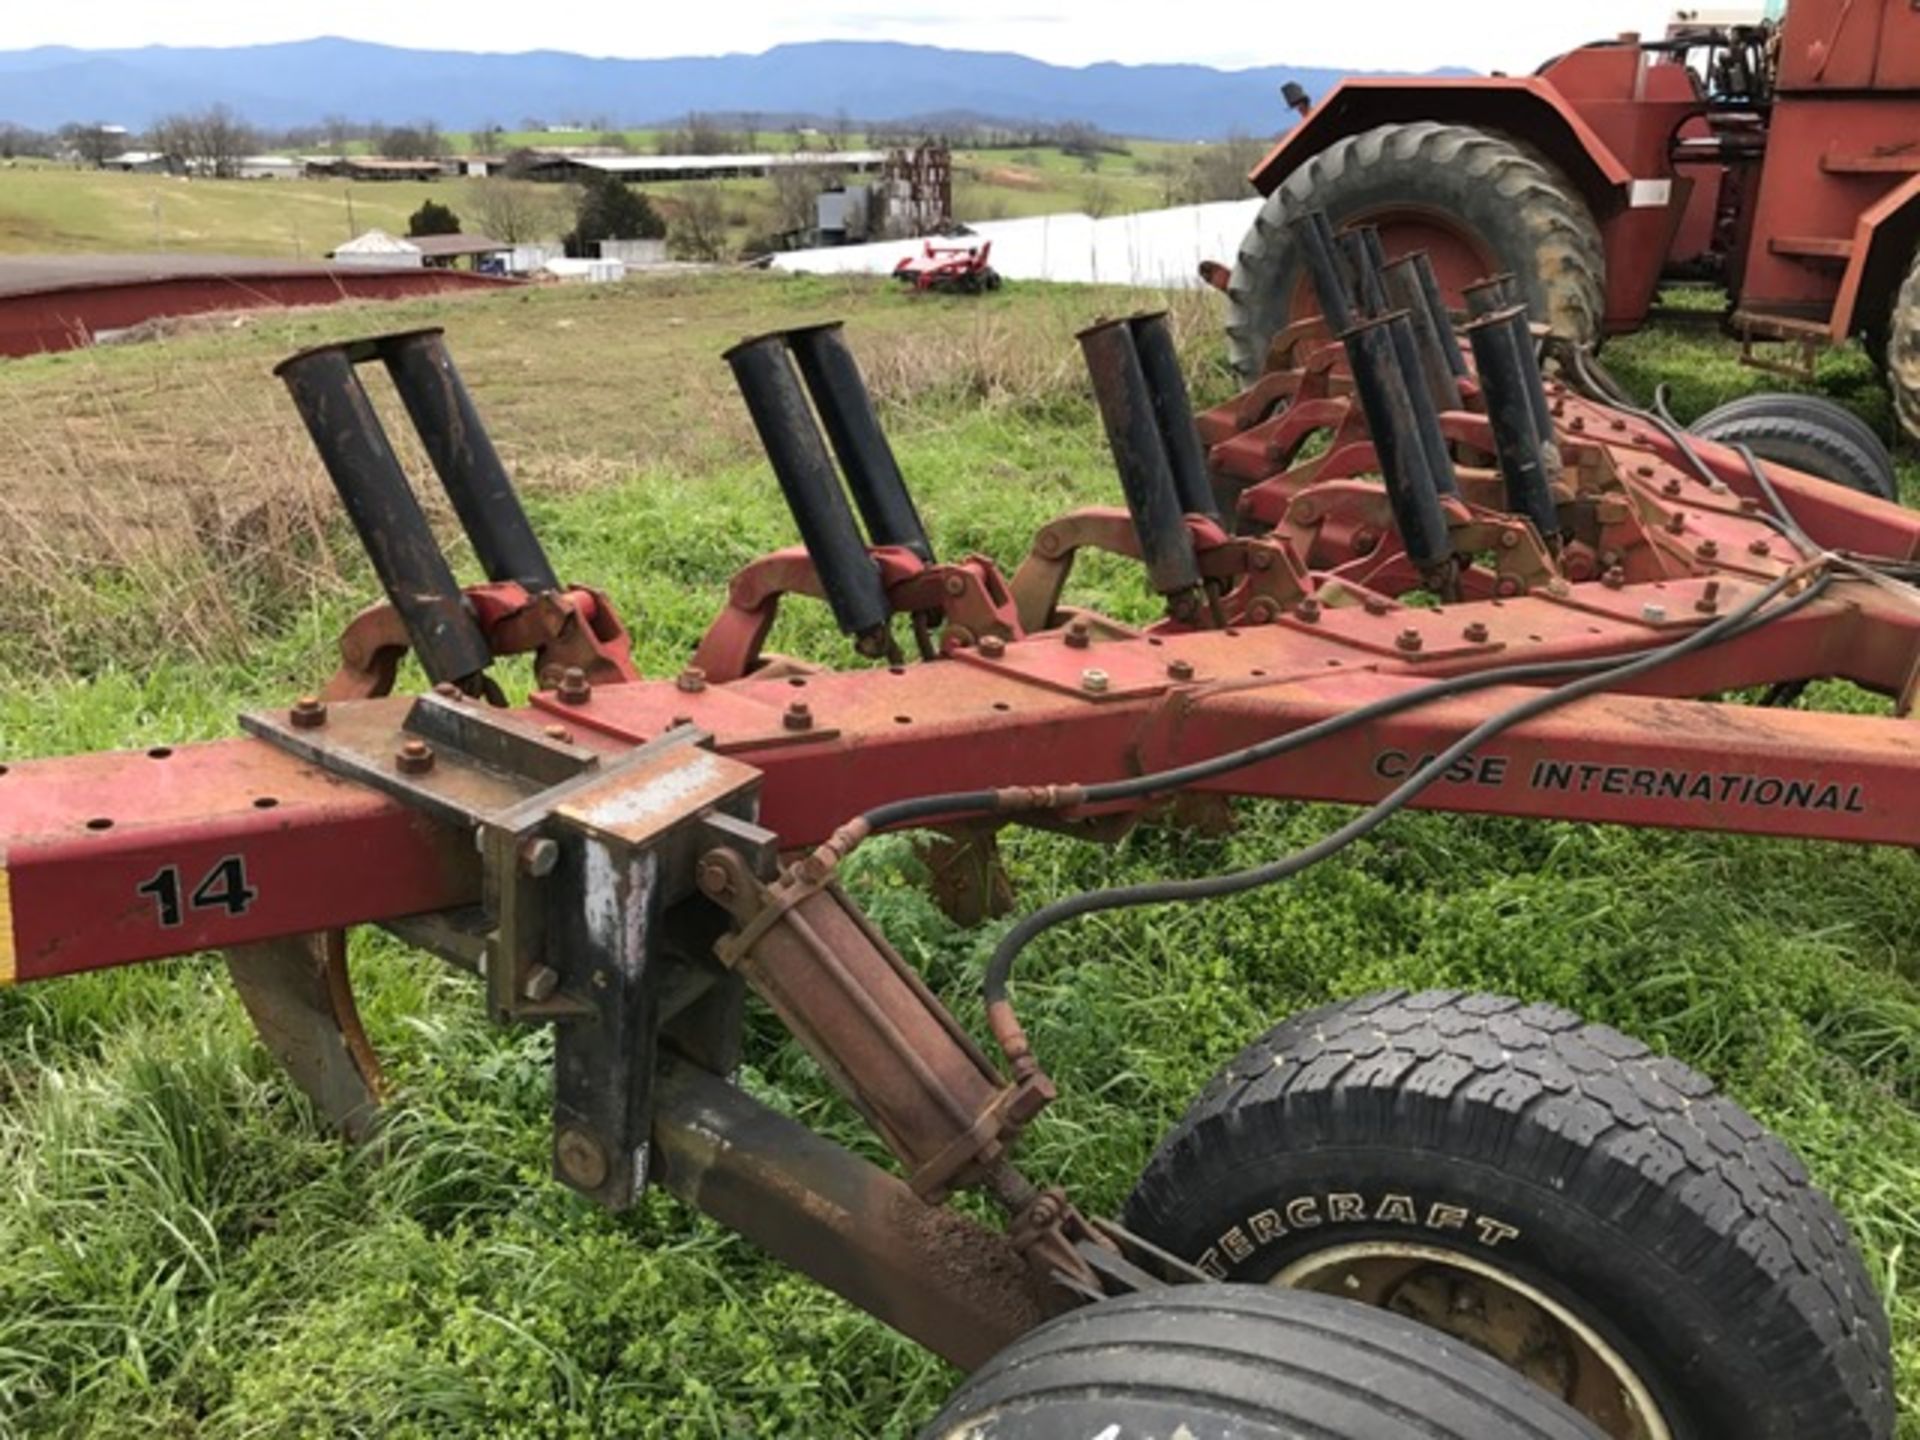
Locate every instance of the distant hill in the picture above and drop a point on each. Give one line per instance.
(298, 83)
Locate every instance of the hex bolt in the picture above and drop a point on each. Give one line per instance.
(1261, 559)
(1475, 633)
(309, 713)
(690, 681)
(580, 1159)
(1180, 670)
(1618, 424)
(1304, 512)
(713, 878)
(1577, 424)
(1509, 539)
(538, 856)
(1615, 578)
(414, 757)
(1375, 605)
(1677, 521)
(1048, 543)
(542, 981)
(1645, 472)
(1308, 610)
(956, 586)
(447, 690)
(1709, 600)
(1653, 614)
(1408, 639)
(1672, 487)
(1365, 541)
(1263, 611)
(1706, 549)
(573, 688)
(1759, 547)
(1079, 633)
(1094, 682)
(560, 733)
(992, 647)
(799, 716)
(1748, 505)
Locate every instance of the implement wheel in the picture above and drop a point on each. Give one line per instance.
(1550, 1192)
(1475, 201)
(1235, 1362)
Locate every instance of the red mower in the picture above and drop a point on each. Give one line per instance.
(949, 269)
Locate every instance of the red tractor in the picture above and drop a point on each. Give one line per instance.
(950, 269)
(1779, 159)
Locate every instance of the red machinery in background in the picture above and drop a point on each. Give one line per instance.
(1782, 161)
(1485, 593)
(960, 269)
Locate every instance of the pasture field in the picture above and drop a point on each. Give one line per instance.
(184, 1252)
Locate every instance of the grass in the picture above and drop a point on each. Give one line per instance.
(183, 1253)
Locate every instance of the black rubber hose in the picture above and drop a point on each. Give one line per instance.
(1000, 967)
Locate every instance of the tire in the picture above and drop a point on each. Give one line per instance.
(1903, 352)
(1522, 212)
(1806, 433)
(1549, 1189)
(1234, 1362)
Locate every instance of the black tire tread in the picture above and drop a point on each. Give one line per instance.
(1903, 351)
(1265, 1363)
(1808, 433)
(1533, 1090)
(1570, 286)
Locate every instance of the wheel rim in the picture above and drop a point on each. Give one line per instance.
(1496, 1312)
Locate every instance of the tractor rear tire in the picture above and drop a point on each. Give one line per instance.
(1807, 433)
(1590, 1212)
(1238, 1362)
(1903, 352)
(1520, 210)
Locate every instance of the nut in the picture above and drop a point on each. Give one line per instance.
(309, 713)
(1079, 633)
(1375, 605)
(1263, 610)
(1653, 614)
(542, 981)
(579, 1159)
(1408, 639)
(1308, 610)
(1509, 539)
(1094, 682)
(414, 757)
(799, 716)
(538, 856)
(992, 646)
(1759, 547)
(1677, 521)
(1261, 558)
(558, 732)
(691, 681)
(1180, 670)
(1709, 600)
(1475, 633)
(1706, 549)
(573, 688)
(1672, 487)
(1615, 578)
(713, 878)
(956, 585)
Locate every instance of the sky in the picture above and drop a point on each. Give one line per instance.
(1513, 35)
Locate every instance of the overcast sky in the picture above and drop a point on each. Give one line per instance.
(1513, 35)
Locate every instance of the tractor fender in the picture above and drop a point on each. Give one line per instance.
(1527, 109)
(1885, 240)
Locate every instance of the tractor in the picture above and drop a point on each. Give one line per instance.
(1780, 160)
(960, 269)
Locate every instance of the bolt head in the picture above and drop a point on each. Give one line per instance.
(414, 757)
(1079, 633)
(542, 981)
(309, 712)
(1509, 539)
(1095, 682)
(992, 646)
(447, 690)
(713, 878)
(956, 586)
(1577, 424)
(573, 688)
(1653, 614)
(538, 856)
(560, 733)
(1181, 670)
(1305, 512)
(1262, 559)
(579, 1159)
(1408, 639)
(1615, 578)
(1677, 521)
(1308, 610)
(691, 680)
(1374, 605)
(799, 716)
(1759, 547)
(1476, 633)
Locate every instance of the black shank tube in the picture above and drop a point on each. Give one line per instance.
(1426, 415)
(1529, 351)
(1173, 411)
(1437, 309)
(1496, 292)
(1403, 289)
(1126, 409)
(1366, 276)
(812, 488)
(1313, 236)
(867, 460)
(386, 515)
(1503, 382)
(463, 457)
(1396, 439)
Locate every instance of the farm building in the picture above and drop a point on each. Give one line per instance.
(443, 252)
(368, 167)
(643, 169)
(142, 162)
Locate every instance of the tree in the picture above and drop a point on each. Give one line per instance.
(610, 210)
(19, 140)
(95, 143)
(699, 231)
(208, 142)
(516, 211)
(433, 218)
(337, 130)
(796, 193)
(418, 141)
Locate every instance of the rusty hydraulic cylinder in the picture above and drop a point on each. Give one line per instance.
(386, 515)
(1411, 490)
(937, 1277)
(1440, 315)
(1405, 292)
(811, 486)
(1426, 415)
(1361, 246)
(1503, 383)
(463, 456)
(1496, 292)
(846, 409)
(1314, 235)
(1140, 455)
(1173, 411)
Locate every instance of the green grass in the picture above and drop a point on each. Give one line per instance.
(183, 1253)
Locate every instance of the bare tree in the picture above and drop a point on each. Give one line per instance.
(19, 140)
(796, 191)
(94, 143)
(699, 231)
(209, 142)
(517, 211)
(336, 131)
(1097, 199)
(418, 141)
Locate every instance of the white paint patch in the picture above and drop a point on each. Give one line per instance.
(1649, 194)
(661, 796)
(616, 922)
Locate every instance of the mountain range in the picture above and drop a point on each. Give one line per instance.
(297, 83)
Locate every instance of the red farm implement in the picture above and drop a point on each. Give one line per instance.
(1778, 160)
(958, 269)
(1484, 593)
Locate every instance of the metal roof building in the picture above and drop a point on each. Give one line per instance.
(639, 169)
